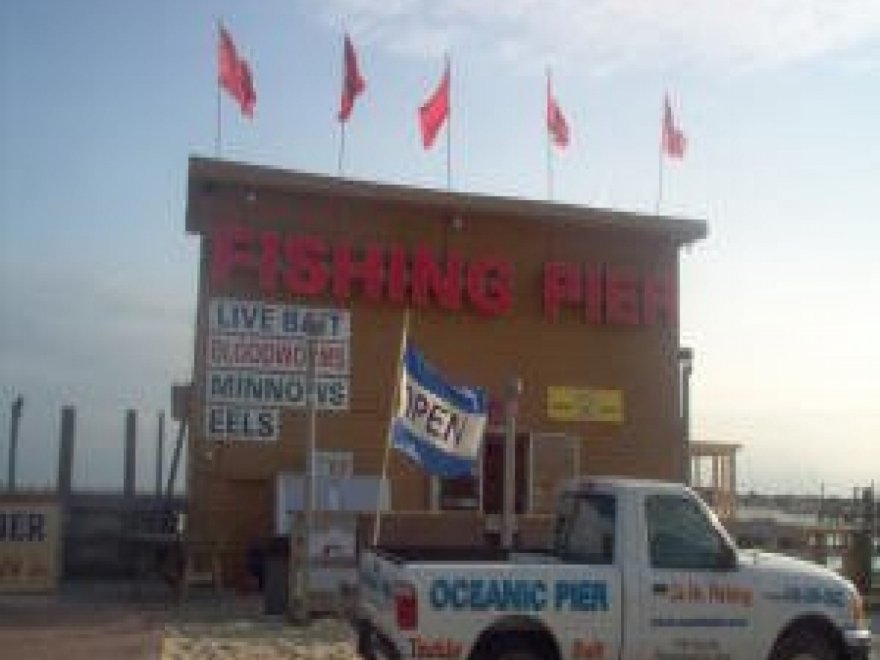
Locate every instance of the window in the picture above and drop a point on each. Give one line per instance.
(680, 535)
(460, 494)
(585, 528)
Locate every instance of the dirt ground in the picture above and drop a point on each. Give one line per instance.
(75, 635)
(116, 620)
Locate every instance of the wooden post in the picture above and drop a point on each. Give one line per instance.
(65, 454)
(14, 420)
(508, 515)
(130, 459)
(160, 453)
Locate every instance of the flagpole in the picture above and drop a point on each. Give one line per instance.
(342, 121)
(659, 181)
(393, 410)
(341, 145)
(659, 171)
(549, 146)
(449, 130)
(217, 134)
(217, 137)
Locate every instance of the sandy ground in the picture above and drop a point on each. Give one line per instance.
(326, 638)
(113, 621)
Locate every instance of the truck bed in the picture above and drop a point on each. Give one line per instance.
(434, 554)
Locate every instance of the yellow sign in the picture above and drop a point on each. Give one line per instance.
(29, 546)
(584, 404)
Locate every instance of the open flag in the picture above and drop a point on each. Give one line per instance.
(437, 425)
(673, 139)
(434, 112)
(556, 124)
(352, 81)
(234, 75)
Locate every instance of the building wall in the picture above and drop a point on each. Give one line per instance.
(232, 484)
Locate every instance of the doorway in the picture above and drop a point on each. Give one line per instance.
(485, 492)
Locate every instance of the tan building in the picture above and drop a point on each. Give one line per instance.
(580, 304)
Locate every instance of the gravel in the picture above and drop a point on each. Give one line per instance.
(264, 639)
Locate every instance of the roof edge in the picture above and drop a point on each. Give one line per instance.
(220, 171)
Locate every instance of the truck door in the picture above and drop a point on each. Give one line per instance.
(588, 603)
(695, 604)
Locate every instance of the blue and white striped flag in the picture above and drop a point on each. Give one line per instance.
(439, 426)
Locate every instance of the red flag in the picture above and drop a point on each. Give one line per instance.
(352, 82)
(556, 123)
(674, 141)
(435, 111)
(234, 75)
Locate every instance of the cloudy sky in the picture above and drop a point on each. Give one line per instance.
(101, 102)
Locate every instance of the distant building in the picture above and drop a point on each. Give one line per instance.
(840, 533)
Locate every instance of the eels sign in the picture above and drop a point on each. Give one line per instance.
(439, 426)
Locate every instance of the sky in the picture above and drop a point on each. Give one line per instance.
(103, 101)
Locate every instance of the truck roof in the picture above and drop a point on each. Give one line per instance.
(581, 484)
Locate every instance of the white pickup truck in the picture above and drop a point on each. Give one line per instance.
(639, 570)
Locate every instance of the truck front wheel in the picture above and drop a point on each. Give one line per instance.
(517, 653)
(804, 645)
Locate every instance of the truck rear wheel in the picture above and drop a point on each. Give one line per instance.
(804, 645)
(509, 645)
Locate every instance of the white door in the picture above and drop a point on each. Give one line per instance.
(695, 603)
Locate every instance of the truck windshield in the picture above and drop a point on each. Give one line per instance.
(585, 528)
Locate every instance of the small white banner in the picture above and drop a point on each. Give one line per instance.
(264, 319)
(225, 422)
(273, 354)
(275, 389)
